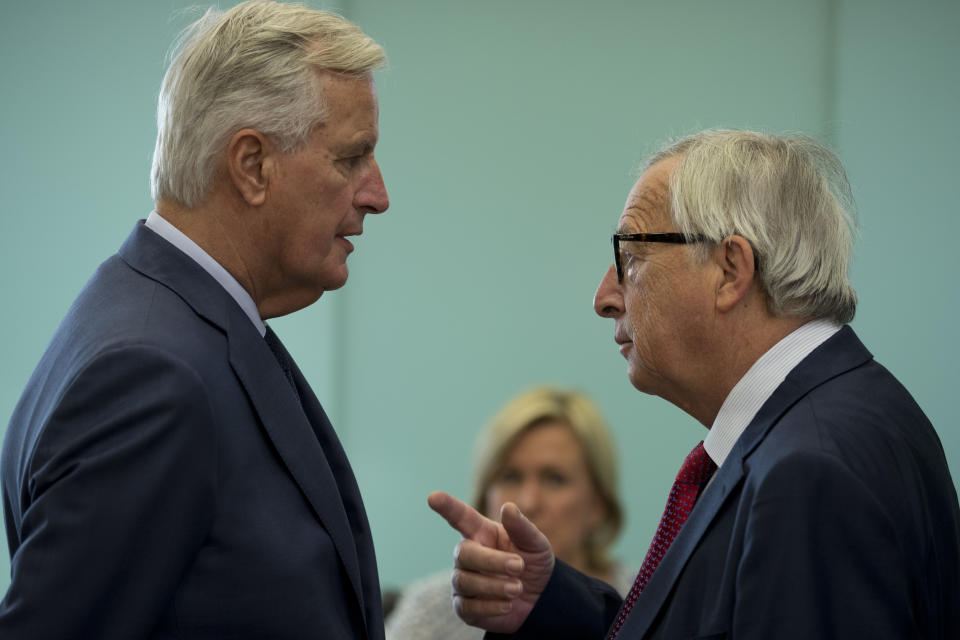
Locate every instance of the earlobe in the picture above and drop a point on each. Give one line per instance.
(247, 160)
(734, 256)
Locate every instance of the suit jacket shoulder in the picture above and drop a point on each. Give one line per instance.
(159, 437)
(834, 516)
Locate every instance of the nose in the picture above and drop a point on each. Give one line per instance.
(372, 196)
(528, 498)
(608, 300)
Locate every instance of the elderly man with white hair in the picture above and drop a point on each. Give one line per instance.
(819, 504)
(168, 472)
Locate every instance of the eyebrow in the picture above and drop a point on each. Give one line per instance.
(622, 228)
(362, 144)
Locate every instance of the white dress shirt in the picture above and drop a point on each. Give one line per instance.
(759, 383)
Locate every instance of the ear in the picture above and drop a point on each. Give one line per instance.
(734, 256)
(248, 155)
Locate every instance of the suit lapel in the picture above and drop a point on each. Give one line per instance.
(645, 611)
(841, 352)
(349, 492)
(297, 441)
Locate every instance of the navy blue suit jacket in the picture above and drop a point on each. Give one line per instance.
(162, 480)
(834, 516)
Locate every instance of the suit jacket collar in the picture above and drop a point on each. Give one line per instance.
(840, 353)
(154, 257)
(307, 444)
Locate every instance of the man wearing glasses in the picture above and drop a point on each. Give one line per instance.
(819, 504)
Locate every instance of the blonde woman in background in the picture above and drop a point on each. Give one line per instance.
(549, 451)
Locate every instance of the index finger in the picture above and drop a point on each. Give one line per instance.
(457, 513)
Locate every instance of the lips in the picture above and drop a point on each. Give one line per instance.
(343, 236)
(623, 342)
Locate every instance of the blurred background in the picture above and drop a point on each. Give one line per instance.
(510, 132)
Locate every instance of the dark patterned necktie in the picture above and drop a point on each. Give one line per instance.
(696, 470)
(281, 355)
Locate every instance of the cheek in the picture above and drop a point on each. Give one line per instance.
(317, 231)
(643, 323)
(648, 307)
(570, 520)
(335, 190)
(308, 247)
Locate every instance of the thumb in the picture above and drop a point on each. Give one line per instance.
(523, 533)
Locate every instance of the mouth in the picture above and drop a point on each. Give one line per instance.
(343, 237)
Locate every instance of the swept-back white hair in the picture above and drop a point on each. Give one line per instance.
(252, 66)
(788, 196)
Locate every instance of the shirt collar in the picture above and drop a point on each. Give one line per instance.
(180, 240)
(759, 383)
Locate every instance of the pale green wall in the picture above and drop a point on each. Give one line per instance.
(509, 132)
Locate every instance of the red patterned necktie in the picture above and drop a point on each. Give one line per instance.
(696, 469)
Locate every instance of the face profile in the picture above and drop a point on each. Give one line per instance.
(662, 304)
(319, 194)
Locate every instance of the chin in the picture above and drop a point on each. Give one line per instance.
(334, 285)
(640, 379)
(334, 278)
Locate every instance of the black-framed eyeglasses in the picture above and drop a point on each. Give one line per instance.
(672, 238)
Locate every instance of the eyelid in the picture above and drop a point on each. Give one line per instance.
(554, 474)
(353, 161)
(361, 150)
(632, 249)
(508, 474)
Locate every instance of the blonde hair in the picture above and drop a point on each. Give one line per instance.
(577, 411)
(252, 66)
(788, 196)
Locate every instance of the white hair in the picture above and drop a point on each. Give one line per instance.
(788, 196)
(252, 66)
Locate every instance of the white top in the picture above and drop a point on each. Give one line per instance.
(179, 239)
(759, 383)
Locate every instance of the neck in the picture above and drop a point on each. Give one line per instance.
(740, 346)
(214, 229)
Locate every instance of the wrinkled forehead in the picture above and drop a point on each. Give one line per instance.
(648, 205)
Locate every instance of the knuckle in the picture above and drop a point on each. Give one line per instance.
(456, 581)
(460, 608)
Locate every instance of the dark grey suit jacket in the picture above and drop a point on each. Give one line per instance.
(834, 516)
(162, 480)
